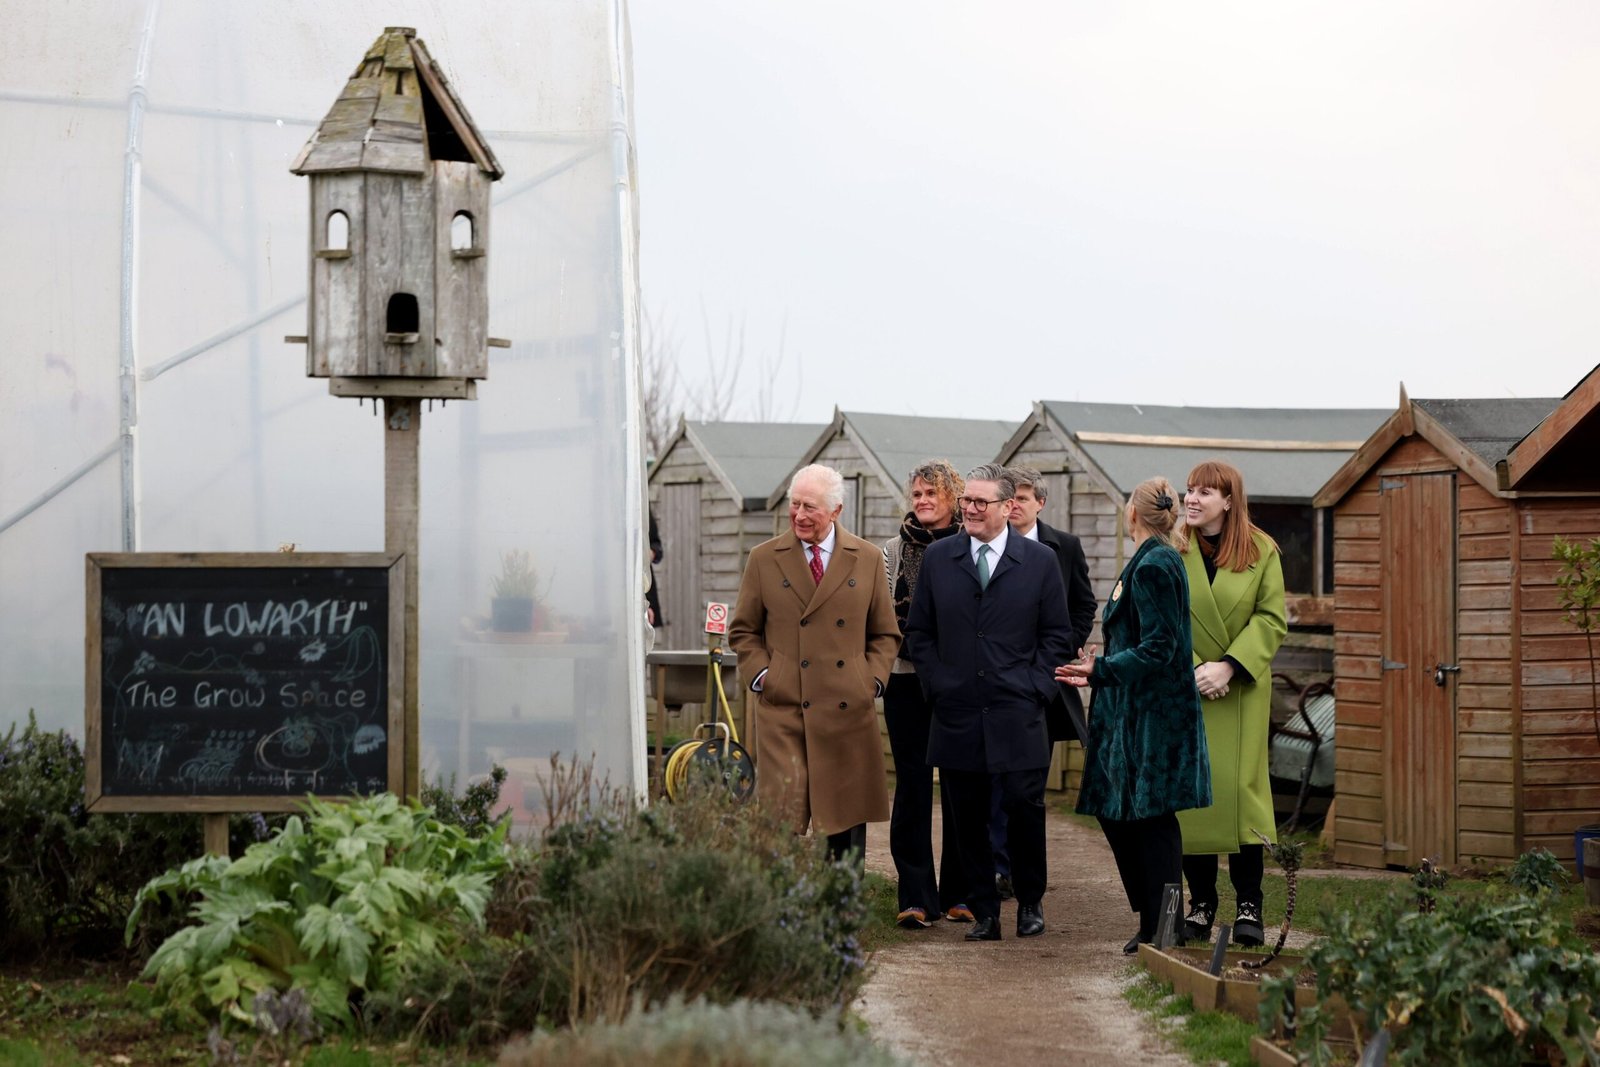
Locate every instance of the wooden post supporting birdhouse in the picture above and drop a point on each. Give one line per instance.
(399, 300)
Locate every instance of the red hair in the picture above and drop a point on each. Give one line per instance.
(1237, 550)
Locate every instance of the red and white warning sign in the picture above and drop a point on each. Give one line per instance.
(716, 617)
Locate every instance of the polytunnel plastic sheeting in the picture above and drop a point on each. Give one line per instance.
(156, 256)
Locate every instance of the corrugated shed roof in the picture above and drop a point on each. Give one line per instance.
(1490, 427)
(755, 456)
(397, 112)
(902, 442)
(1292, 473)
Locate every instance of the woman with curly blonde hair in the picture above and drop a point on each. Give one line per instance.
(935, 485)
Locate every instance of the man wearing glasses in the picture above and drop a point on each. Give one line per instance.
(987, 628)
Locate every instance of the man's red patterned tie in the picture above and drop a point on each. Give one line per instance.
(816, 564)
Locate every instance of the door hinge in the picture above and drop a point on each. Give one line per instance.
(1394, 846)
(1385, 484)
(1393, 665)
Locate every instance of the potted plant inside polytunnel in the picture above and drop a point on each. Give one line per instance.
(516, 593)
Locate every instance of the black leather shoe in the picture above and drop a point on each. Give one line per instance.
(985, 929)
(1002, 886)
(1247, 929)
(1030, 920)
(1132, 947)
(1197, 924)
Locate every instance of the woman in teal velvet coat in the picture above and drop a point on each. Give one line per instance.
(1146, 756)
(1238, 622)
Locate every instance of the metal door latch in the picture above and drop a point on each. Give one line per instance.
(1441, 669)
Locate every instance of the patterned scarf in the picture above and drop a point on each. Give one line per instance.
(914, 540)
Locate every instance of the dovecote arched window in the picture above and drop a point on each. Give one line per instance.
(461, 235)
(338, 232)
(464, 236)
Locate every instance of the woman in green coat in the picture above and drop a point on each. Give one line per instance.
(1237, 621)
(1146, 754)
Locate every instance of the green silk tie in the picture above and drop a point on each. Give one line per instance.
(983, 566)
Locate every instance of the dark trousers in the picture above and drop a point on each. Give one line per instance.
(1149, 854)
(997, 831)
(1022, 797)
(1245, 869)
(907, 715)
(851, 842)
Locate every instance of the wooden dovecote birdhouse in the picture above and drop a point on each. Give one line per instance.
(399, 298)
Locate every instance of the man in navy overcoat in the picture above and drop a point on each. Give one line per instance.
(987, 628)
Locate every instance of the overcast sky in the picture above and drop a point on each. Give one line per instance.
(959, 208)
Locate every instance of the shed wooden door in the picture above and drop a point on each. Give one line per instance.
(1418, 533)
(679, 571)
(850, 517)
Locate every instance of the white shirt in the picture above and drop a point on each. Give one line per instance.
(826, 546)
(1032, 533)
(997, 548)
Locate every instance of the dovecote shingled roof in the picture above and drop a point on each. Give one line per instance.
(396, 113)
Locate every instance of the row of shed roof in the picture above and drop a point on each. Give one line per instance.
(1293, 455)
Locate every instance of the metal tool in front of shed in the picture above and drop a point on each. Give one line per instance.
(398, 302)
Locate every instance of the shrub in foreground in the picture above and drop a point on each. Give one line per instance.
(740, 1034)
(615, 908)
(337, 905)
(68, 878)
(1488, 980)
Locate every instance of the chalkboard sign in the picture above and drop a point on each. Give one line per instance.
(242, 681)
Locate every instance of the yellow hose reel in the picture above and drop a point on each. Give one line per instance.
(714, 750)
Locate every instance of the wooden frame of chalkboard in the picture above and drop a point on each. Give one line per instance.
(242, 681)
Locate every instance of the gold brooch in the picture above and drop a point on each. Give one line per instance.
(1116, 594)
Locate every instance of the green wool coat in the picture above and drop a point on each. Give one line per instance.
(1146, 754)
(1241, 614)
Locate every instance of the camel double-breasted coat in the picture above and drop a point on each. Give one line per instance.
(1239, 614)
(827, 649)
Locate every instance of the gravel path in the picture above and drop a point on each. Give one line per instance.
(1054, 999)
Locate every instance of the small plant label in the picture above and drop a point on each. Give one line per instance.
(716, 618)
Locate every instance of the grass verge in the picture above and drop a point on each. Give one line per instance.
(1206, 1037)
(104, 1015)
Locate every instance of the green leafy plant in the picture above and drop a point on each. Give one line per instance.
(336, 905)
(1538, 871)
(675, 1034)
(1486, 980)
(518, 577)
(1578, 591)
(473, 810)
(616, 908)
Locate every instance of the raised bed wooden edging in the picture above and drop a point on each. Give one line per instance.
(1214, 993)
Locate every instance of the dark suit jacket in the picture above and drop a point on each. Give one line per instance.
(986, 658)
(1064, 716)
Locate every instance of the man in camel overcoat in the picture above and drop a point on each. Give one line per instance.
(815, 632)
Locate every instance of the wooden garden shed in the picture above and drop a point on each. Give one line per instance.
(709, 491)
(1464, 722)
(876, 453)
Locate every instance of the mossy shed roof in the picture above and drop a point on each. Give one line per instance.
(1285, 454)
